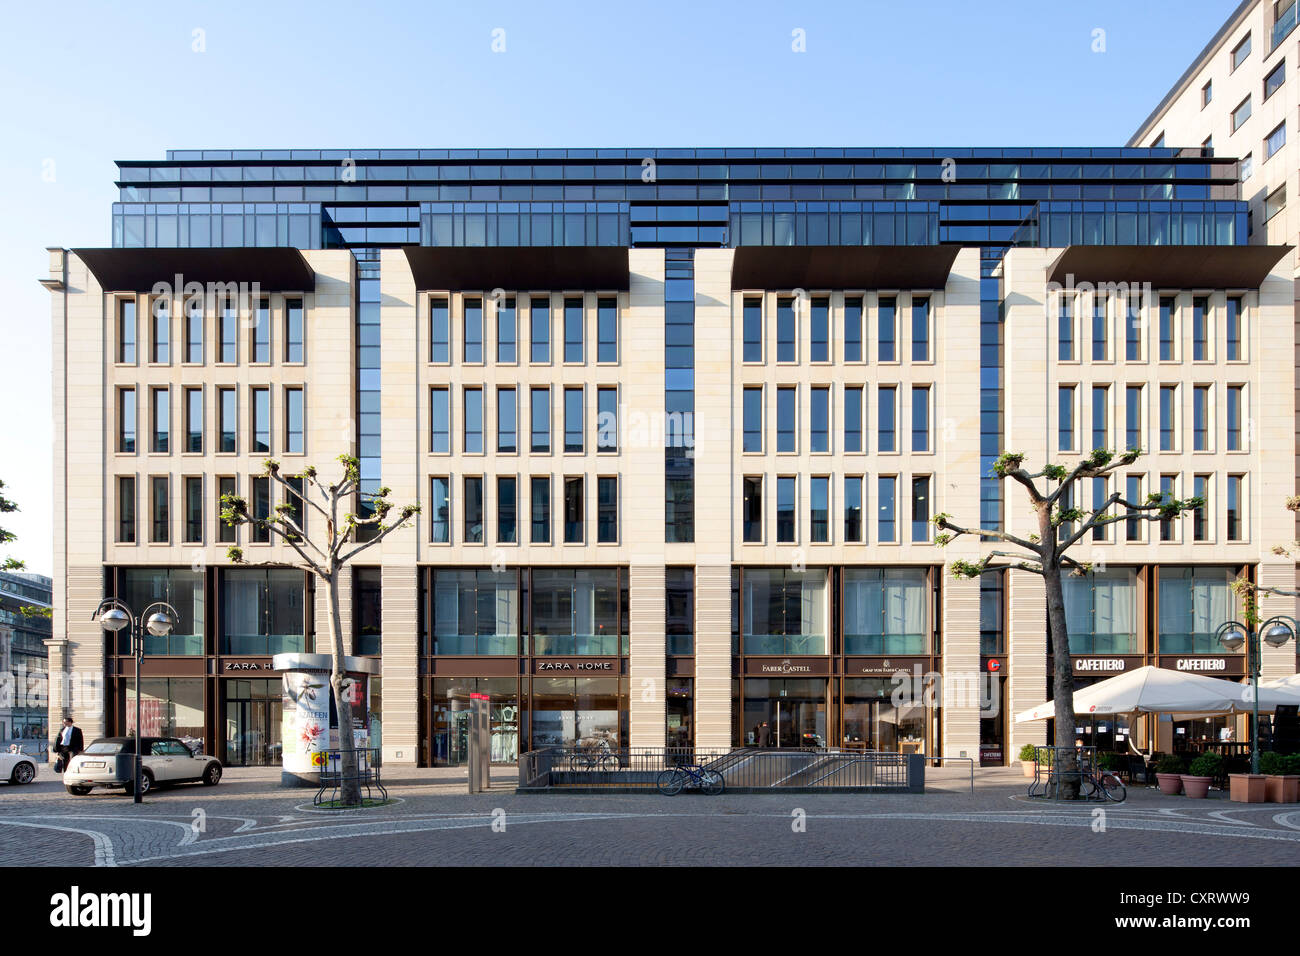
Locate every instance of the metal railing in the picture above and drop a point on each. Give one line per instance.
(747, 770)
(366, 776)
(969, 760)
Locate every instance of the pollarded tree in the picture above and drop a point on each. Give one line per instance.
(325, 558)
(1061, 524)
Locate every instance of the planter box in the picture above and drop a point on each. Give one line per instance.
(1196, 787)
(1282, 788)
(1028, 767)
(1171, 784)
(1246, 787)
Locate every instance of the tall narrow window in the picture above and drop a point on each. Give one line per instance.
(229, 334)
(160, 519)
(507, 331)
(752, 515)
(539, 312)
(160, 419)
(886, 402)
(1167, 493)
(1133, 417)
(226, 534)
(1100, 339)
(1065, 330)
(785, 504)
(507, 510)
(261, 420)
(607, 510)
(261, 509)
(573, 337)
(126, 509)
(194, 330)
(540, 420)
(1233, 322)
(293, 331)
(1132, 331)
(819, 510)
(853, 418)
(920, 330)
(440, 509)
(1200, 489)
(440, 421)
(573, 511)
(753, 330)
(473, 510)
(126, 419)
(1166, 329)
(1100, 492)
(886, 330)
(162, 327)
(606, 330)
(540, 510)
(507, 421)
(752, 419)
(1233, 415)
(1277, 76)
(473, 331)
(921, 509)
(439, 332)
(1133, 493)
(1236, 506)
(607, 419)
(296, 496)
(785, 330)
(820, 330)
(194, 419)
(473, 421)
(193, 510)
(1201, 418)
(261, 343)
(573, 420)
(1200, 329)
(853, 329)
(853, 523)
(1100, 416)
(227, 418)
(785, 420)
(820, 419)
(293, 421)
(1168, 417)
(126, 331)
(886, 487)
(920, 418)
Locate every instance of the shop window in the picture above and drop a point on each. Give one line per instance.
(785, 611)
(179, 587)
(475, 612)
(1101, 612)
(577, 611)
(679, 611)
(262, 611)
(367, 611)
(886, 611)
(1194, 601)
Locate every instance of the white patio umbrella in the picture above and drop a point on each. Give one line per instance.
(1151, 690)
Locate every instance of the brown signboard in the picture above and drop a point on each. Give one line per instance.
(239, 666)
(882, 666)
(1210, 665)
(681, 667)
(163, 667)
(576, 666)
(474, 666)
(787, 666)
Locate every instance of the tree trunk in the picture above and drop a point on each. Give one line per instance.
(1062, 673)
(350, 790)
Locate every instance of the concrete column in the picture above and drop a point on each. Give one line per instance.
(647, 691)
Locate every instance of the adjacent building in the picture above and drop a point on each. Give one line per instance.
(25, 601)
(677, 420)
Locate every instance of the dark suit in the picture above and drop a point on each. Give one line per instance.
(76, 744)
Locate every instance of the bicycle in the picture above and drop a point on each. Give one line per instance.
(1111, 786)
(671, 781)
(594, 758)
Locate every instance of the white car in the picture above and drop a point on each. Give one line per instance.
(110, 762)
(17, 767)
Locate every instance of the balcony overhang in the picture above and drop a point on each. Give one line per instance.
(1170, 267)
(457, 268)
(272, 268)
(842, 267)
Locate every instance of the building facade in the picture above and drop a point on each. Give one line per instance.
(25, 601)
(677, 421)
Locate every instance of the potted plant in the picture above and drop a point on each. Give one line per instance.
(1199, 776)
(1282, 777)
(1169, 774)
(1247, 787)
(1027, 759)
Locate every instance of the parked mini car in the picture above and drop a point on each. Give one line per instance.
(110, 762)
(17, 767)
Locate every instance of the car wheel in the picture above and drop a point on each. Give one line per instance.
(78, 791)
(23, 773)
(212, 775)
(146, 784)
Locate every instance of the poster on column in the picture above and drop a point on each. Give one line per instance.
(305, 720)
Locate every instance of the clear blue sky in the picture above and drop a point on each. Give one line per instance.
(85, 83)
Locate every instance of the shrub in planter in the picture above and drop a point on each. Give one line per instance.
(1272, 763)
(1199, 776)
(1027, 759)
(1109, 761)
(1169, 770)
(1282, 784)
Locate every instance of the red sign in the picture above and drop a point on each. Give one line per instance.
(994, 665)
(479, 697)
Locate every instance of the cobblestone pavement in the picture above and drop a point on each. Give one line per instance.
(249, 820)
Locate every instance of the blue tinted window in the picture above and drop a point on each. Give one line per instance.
(473, 330)
(887, 333)
(821, 330)
(853, 330)
(820, 424)
(573, 330)
(753, 420)
(785, 330)
(785, 420)
(753, 318)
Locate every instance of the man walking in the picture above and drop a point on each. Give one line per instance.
(69, 745)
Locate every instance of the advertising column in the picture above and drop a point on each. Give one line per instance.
(310, 726)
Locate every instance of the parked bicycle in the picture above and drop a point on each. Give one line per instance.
(673, 780)
(596, 757)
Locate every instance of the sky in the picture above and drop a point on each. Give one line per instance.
(83, 84)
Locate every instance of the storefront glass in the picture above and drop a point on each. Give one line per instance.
(476, 612)
(253, 711)
(993, 722)
(262, 611)
(886, 611)
(169, 707)
(1101, 612)
(784, 713)
(179, 587)
(577, 612)
(1203, 732)
(876, 718)
(451, 712)
(579, 712)
(680, 711)
(1194, 601)
(785, 611)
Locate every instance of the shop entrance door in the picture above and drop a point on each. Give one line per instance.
(252, 733)
(785, 713)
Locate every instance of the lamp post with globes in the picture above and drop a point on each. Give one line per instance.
(1276, 631)
(158, 619)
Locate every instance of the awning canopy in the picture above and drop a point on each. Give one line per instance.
(597, 268)
(1171, 267)
(1159, 690)
(273, 268)
(842, 267)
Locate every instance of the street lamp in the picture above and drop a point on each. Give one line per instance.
(1276, 631)
(158, 618)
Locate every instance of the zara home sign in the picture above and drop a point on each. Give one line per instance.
(541, 667)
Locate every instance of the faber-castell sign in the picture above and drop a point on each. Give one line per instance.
(785, 667)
